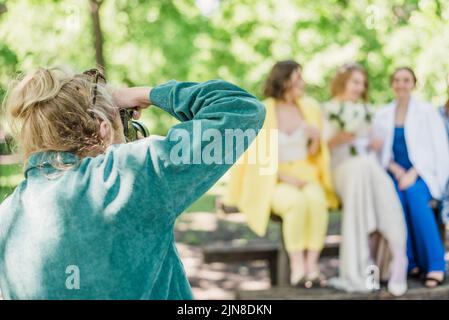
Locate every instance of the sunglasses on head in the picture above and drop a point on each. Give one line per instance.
(132, 129)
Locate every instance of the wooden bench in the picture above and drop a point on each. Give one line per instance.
(231, 253)
(275, 253)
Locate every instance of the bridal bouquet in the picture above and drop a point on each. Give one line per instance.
(350, 117)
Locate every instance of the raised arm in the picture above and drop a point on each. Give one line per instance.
(218, 122)
(213, 109)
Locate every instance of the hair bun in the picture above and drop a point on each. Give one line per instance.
(51, 109)
(40, 86)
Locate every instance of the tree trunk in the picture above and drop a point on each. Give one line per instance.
(438, 9)
(98, 34)
(3, 8)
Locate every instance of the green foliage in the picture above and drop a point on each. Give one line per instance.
(148, 42)
(8, 63)
(10, 176)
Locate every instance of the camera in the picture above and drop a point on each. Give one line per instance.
(132, 129)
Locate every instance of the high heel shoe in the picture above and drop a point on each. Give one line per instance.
(397, 282)
(415, 273)
(438, 282)
(397, 289)
(313, 280)
(297, 280)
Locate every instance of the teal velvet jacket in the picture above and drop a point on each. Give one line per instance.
(103, 228)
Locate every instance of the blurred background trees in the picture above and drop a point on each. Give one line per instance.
(147, 42)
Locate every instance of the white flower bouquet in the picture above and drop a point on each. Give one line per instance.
(353, 118)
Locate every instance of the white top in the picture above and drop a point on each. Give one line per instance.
(293, 146)
(426, 139)
(354, 119)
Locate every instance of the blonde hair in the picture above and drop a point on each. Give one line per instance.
(52, 110)
(342, 77)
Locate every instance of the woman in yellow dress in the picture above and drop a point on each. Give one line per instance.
(298, 185)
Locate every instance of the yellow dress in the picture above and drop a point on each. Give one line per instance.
(255, 190)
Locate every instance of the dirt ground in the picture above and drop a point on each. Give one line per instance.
(220, 280)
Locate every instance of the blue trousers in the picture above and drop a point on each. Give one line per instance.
(424, 246)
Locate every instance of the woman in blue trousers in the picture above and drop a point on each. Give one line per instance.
(444, 111)
(416, 155)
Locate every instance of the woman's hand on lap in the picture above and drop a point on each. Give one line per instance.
(408, 179)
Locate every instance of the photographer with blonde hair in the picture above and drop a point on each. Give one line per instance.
(94, 217)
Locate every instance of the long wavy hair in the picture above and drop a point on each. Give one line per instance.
(341, 78)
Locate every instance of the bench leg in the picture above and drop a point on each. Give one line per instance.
(273, 268)
(283, 265)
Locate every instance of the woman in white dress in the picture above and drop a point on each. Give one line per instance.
(371, 209)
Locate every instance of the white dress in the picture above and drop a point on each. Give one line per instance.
(370, 204)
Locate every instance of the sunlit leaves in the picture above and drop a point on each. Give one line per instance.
(147, 42)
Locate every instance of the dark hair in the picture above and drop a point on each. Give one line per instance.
(410, 70)
(342, 76)
(279, 74)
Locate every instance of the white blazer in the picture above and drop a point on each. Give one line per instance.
(426, 139)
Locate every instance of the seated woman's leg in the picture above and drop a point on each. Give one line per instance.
(317, 221)
(290, 203)
(353, 185)
(413, 267)
(430, 250)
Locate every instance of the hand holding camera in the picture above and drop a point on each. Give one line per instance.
(131, 101)
(132, 98)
